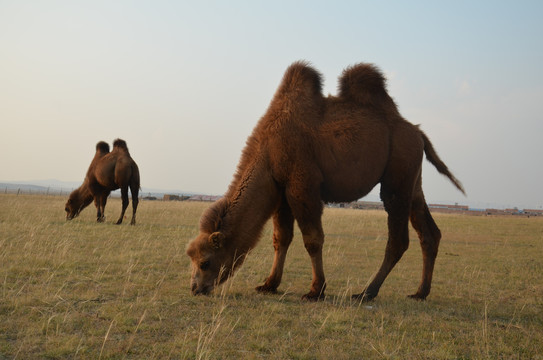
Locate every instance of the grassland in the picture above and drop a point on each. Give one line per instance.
(82, 290)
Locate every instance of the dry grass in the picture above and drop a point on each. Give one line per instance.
(83, 290)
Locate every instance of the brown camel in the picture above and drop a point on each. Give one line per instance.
(306, 150)
(108, 171)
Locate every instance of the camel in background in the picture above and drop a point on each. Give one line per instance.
(108, 171)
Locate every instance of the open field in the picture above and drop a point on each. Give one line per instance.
(82, 290)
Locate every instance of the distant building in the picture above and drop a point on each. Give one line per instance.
(368, 205)
(204, 198)
(533, 212)
(169, 197)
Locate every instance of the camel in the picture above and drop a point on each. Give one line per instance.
(308, 149)
(108, 171)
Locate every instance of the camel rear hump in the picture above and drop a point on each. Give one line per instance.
(120, 144)
(363, 83)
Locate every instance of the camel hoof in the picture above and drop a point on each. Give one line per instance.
(417, 297)
(313, 297)
(265, 289)
(363, 297)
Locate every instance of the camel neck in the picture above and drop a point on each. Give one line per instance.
(251, 198)
(84, 190)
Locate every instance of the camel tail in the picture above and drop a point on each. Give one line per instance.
(136, 175)
(434, 159)
(364, 84)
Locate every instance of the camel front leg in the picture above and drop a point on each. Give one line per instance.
(100, 203)
(307, 210)
(313, 242)
(283, 230)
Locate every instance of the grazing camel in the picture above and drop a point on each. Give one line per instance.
(108, 171)
(308, 149)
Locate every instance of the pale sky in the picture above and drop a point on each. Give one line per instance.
(185, 82)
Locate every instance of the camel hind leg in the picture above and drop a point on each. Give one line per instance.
(397, 205)
(134, 190)
(429, 236)
(124, 197)
(283, 230)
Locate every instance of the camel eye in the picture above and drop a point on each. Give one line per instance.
(204, 265)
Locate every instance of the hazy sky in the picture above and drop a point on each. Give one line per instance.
(184, 83)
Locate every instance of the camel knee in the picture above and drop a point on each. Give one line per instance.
(281, 240)
(428, 232)
(429, 245)
(313, 240)
(436, 234)
(422, 220)
(397, 250)
(313, 248)
(402, 247)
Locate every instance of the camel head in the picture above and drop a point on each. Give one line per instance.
(76, 202)
(72, 208)
(212, 262)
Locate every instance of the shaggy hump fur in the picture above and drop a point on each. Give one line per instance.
(300, 80)
(118, 143)
(362, 83)
(102, 147)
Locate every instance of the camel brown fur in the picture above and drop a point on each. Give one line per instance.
(108, 171)
(306, 150)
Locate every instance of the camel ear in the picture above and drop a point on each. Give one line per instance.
(217, 239)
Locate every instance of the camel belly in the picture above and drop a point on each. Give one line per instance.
(352, 160)
(345, 184)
